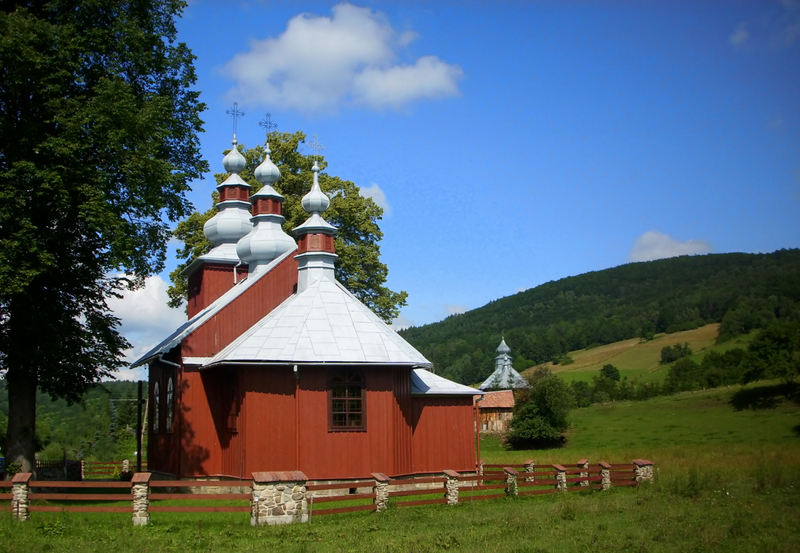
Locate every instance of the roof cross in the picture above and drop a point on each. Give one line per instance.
(235, 114)
(316, 147)
(267, 124)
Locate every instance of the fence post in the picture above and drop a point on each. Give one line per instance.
(126, 466)
(279, 498)
(140, 492)
(83, 469)
(605, 475)
(20, 495)
(643, 470)
(511, 481)
(451, 487)
(584, 464)
(530, 467)
(381, 491)
(561, 478)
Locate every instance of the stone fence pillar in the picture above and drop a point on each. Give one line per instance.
(605, 474)
(583, 464)
(511, 481)
(279, 498)
(83, 469)
(561, 477)
(126, 466)
(140, 493)
(530, 468)
(20, 495)
(451, 487)
(381, 491)
(643, 470)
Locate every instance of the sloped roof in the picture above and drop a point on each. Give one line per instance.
(322, 324)
(424, 382)
(501, 399)
(204, 315)
(504, 377)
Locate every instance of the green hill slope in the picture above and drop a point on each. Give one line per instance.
(740, 291)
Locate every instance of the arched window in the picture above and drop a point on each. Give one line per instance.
(170, 404)
(156, 403)
(346, 401)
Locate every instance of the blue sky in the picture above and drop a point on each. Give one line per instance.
(514, 143)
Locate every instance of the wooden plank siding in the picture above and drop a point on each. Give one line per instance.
(243, 312)
(441, 428)
(208, 283)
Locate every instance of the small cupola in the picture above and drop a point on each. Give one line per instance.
(315, 238)
(267, 240)
(232, 221)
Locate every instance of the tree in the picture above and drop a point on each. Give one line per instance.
(610, 372)
(540, 415)
(356, 217)
(98, 142)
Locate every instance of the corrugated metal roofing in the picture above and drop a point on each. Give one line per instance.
(504, 377)
(322, 324)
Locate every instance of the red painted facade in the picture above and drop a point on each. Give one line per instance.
(238, 419)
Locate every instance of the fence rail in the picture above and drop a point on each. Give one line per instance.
(282, 497)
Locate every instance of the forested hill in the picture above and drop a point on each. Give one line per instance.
(741, 291)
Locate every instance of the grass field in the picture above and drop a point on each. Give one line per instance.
(640, 360)
(726, 480)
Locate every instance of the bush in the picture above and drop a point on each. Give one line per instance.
(540, 416)
(673, 353)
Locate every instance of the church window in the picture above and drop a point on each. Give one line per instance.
(346, 401)
(156, 404)
(170, 404)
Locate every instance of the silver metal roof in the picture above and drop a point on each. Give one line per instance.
(424, 382)
(322, 324)
(212, 309)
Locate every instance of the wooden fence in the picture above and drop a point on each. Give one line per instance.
(293, 493)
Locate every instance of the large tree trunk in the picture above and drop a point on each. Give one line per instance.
(21, 436)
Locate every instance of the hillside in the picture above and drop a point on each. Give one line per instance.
(739, 291)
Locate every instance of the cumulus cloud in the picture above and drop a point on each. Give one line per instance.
(145, 319)
(378, 196)
(319, 63)
(657, 245)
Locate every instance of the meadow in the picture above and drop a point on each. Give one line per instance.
(727, 477)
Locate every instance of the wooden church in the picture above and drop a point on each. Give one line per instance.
(279, 367)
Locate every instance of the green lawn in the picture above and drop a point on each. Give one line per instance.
(726, 480)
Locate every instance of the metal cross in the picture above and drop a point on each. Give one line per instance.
(316, 147)
(267, 124)
(235, 114)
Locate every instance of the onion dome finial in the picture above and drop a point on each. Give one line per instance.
(315, 201)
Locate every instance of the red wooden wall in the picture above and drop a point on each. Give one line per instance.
(243, 312)
(444, 435)
(208, 283)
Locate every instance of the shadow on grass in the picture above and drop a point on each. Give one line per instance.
(765, 397)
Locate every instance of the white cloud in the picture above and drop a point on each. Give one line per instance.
(454, 309)
(657, 245)
(740, 35)
(145, 319)
(319, 63)
(395, 86)
(402, 322)
(378, 196)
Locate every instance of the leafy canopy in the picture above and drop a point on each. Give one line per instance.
(356, 217)
(541, 412)
(98, 142)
